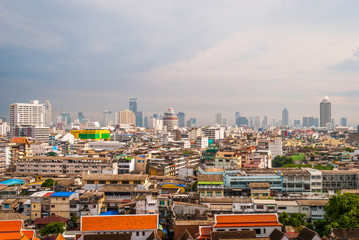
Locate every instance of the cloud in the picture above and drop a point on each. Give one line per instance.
(348, 64)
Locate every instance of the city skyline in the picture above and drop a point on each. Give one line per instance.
(250, 56)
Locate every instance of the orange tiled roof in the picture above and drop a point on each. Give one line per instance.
(10, 226)
(60, 237)
(119, 223)
(19, 140)
(24, 237)
(246, 220)
(35, 238)
(29, 233)
(10, 235)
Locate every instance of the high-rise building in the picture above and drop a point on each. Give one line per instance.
(316, 122)
(155, 115)
(218, 118)
(170, 119)
(108, 118)
(139, 119)
(285, 117)
(66, 116)
(296, 123)
(265, 122)
(343, 122)
(242, 121)
(308, 122)
(80, 116)
(236, 118)
(145, 122)
(133, 105)
(127, 117)
(32, 113)
(256, 122)
(325, 112)
(181, 119)
(251, 123)
(225, 121)
(48, 113)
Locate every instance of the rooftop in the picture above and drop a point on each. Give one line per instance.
(245, 220)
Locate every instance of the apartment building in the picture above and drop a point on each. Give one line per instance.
(96, 181)
(210, 186)
(66, 165)
(334, 180)
(60, 203)
(40, 204)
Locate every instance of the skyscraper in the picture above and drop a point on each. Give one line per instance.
(218, 118)
(285, 117)
(139, 119)
(108, 118)
(132, 105)
(48, 113)
(343, 122)
(80, 116)
(181, 119)
(170, 119)
(145, 122)
(265, 122)
(126, 117)
(325, 112)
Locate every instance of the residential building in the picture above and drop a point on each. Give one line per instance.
(96, 181)
(262, 224)
(334, 180)
(137, 227)
(60, 203)
(313, 208)
(66, 165)
(210, 186)
(127, 117)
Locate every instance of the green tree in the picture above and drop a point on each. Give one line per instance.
(74, 219)
(194, 186)
(348, 149)
(280, 161)
(48, 183)
(342, 211)
(52, 228)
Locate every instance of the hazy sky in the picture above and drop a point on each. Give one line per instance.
(200, 57)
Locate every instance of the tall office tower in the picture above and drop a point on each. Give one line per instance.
(108, 118)
(127, 117)
(308, 122)
(250, 124)
(218, 118)
(285, 117)
(242, 121)
(325, 112)
(274, 122)
(48, 113)
(265, 122)
(170, 119)
(343, 122)
(32, 113)
(181, 119)
(145, 122)
(155, 115)
(316, 122)
(80, 116)
(225, 121)
(236, 118)
(139, 119)
(133, 105)
(296, 123)
(256, 122)
(66, 116)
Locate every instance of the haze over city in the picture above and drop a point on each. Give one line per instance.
(203, 57)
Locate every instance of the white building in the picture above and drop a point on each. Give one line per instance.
(194, 133)
(214, 133)
(170, 119)
(275, 146)
(201, 142)
(316, 180)
(127, 117)
(32, 113)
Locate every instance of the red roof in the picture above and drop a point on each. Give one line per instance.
(50, 219)
(204, 232)
(48, 194)
(119, 223)
(246, 220)
(19, 140)
(29, 233)
(10, 235)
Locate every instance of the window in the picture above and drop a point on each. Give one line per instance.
(143, 233)
(35, 214)
(90, 182)
(137, 234)
(162, 202)
(125, 182)
(258, 230)
(136, 182)
(113, 182)
(232, 229)
(52, 206)
(101, 182)
(63, 199)
(260, 207)
(34, 206)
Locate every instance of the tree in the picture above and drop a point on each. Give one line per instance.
(342, 211)
(280, 161)
(48, 183)
(74, 219)
(52, 228)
